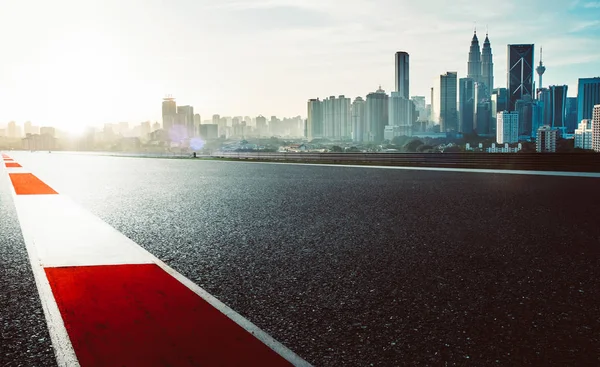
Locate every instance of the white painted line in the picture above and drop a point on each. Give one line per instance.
(441, 169)
(17, 170)
(65, 234)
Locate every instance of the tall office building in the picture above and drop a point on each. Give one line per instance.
(487, 66)
(314, 122)
(588, 95)
(358, 117)
(402, 74)
(444, 102)
(169, 111)
(525, 108)
(376, 112)
(499, 100)
(544, 100)
(558, 98)
(571, 114)
(336, 118)
(519, 73)
(420, 107)
(466, 105)
(474, 63)
(596, 128)
(507, 127)
(261, 126)
(401, 114)
(185, 118)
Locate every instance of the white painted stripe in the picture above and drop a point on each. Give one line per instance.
(441, 169)
(17, 170)
(65, 234)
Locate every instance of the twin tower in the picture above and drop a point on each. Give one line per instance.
(480, 66)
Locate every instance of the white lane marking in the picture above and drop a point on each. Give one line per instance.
(17, 170)
(63, 349)
(65, 234)
(443, 169)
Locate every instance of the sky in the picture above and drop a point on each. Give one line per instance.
(73, 63)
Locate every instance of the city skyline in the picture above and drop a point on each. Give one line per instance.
(269, 56)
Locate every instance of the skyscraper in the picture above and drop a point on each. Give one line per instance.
(507, 127)
(402, 74)
(401, 114)
(571, 114)
(541, 69)
(336, 118)
(558, 99)
(444, 102)
(588, 96)
(466, 106)
(314, 122)
(519, 73)
(376, 112)
(487, 66)
(169, 111)
(474, 63)
(359, 127)
(185, 117)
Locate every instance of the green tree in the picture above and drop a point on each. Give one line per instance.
(413, 145)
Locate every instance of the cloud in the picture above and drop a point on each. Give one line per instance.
(591, 5)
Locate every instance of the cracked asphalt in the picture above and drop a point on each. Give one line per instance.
(346, 266)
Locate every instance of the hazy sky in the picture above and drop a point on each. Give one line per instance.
(80, 62)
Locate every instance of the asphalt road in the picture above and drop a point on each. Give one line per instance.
(348, 266)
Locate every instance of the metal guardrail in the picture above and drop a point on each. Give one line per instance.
(573, 162)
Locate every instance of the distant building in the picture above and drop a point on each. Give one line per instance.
(38, 142)
(546, 139)
(402, 74)
(466, 105)
(376, 112)
(487, 66)
(421, 108)
(48, 130)
(520, 74)
(499, 100)
(185, 117)
(314, 122)
(336, 118)
(169, 110)
(444, 102)
(525, 109)
(507, 127)
(474, 63)
(583, 135)
(209, 131)
(596, 128)
(401, 113)
(559, 104)
(261, 126)
(588, 95)
(571, 114)
(358, 118)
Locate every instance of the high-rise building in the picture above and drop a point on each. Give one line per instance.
(588, 95)
(583, 135)
(596, 128)
(544, 100)
(546, 139)
(169, 111)
(376, 112)
(185, 117)
(466, 105)
(525, 109)
(11, 130)
(519, 73)
(314, 122)
(358, 116)
(336, 118)
(402, 74)
(444, 102)
(507, 127)
(420, 107)
(558, 98)
(261, 125)
(541, 69)
(487, 66)
(401, 114)
(474, 63)
(571, 114)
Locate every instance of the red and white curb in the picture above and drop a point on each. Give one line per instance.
(109, 302)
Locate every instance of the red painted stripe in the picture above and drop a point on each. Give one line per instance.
(139, 315)
(12, 165)
(28, 184)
